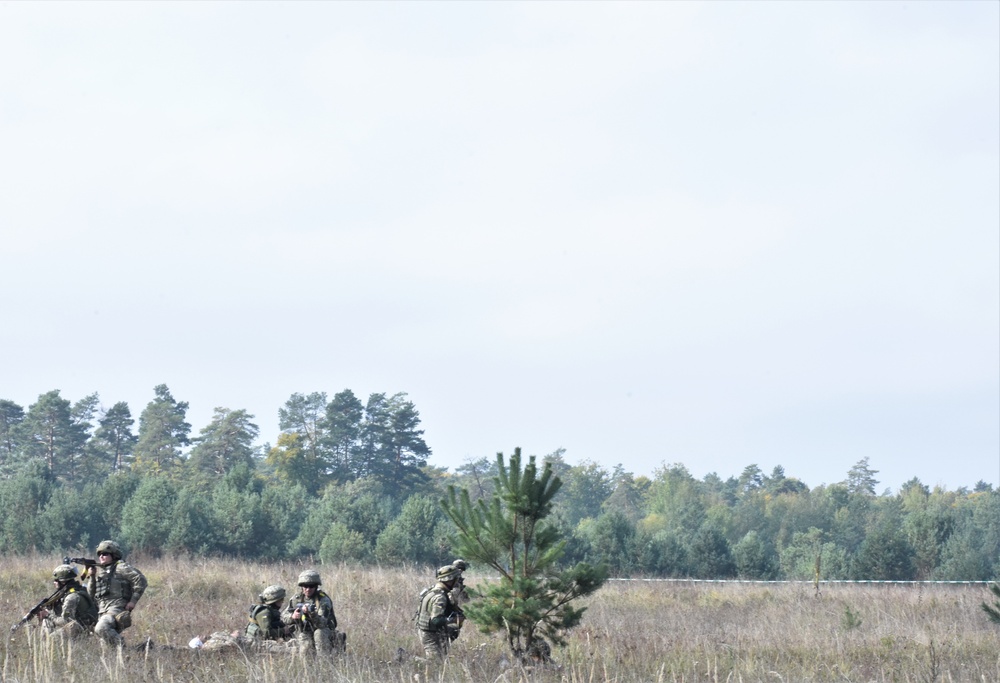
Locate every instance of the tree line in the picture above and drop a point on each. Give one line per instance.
(348, 480)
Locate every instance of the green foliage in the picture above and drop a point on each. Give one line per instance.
(753, 559)
(662, 552)
(193, 528)
(850, 620)
(993, 610)
(241, 525)
(611, 538)
(68, 519)
(585, 488)
(225, 443)
(798, 558)
(163, 433)
(284, 509)
(627, 495)
(710, 555)
(861, 478)
(678, 497)
(23, 498)
(11, 415)
(68, 471)
(508, 533)
(341, 544)
(341, 441)
(51, 433)
(304, 460)
(476, 476)
(292, 464)
(405, 447)
(146, 515)
(114, 437)
(884, 555)
(110, 499)
(343, 432)
(360, 507)
(411, 536)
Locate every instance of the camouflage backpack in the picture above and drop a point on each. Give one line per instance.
(253, 628)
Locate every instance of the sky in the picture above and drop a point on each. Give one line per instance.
(714, 234)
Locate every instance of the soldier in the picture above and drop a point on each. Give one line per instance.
(439, 620)
(311, 610)
(75, 613)
(459, 595)
(116, 587)
(266, 630)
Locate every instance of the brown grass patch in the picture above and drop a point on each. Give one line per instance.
(632, 631)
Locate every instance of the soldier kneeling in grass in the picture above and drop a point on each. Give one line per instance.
(311, 611)
(266, 631)
(75, 613)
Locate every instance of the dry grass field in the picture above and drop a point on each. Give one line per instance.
(632, 631)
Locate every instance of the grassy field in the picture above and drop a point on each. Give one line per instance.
(632, 631)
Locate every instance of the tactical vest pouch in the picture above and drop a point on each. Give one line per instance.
(253, 628)
(123, 620)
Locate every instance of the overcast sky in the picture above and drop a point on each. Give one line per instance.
(718, 234)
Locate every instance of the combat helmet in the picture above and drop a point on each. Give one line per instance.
(310, 577)
(460, 564)
(64, 572)
(448, 572)
(272, 594)
(110, 547)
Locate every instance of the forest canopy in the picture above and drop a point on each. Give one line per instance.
(348, 481)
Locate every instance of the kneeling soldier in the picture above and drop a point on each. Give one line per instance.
(265, 632)
(311, 610)
(75, 613)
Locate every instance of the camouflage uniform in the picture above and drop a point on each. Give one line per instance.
(458, 595)
(114, 586)
(76, 613)
(439, 620)
(316, 628)
(265, 632)
(266, 623)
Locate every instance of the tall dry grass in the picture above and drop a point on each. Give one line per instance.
(632, 631)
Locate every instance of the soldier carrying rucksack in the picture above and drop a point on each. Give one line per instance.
(439, 620)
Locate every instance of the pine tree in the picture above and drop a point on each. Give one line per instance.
(507, 532)
(993, 611)
(224, 443)
(163, 432)
(50, 433)
(114, 436)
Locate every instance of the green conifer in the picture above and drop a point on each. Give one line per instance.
(533, 600)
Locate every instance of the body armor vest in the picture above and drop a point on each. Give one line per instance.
(424, 617)
(110, 586)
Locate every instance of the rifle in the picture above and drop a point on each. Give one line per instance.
(44, 603)
(307, 621)
(88, 564)
(456, 617)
